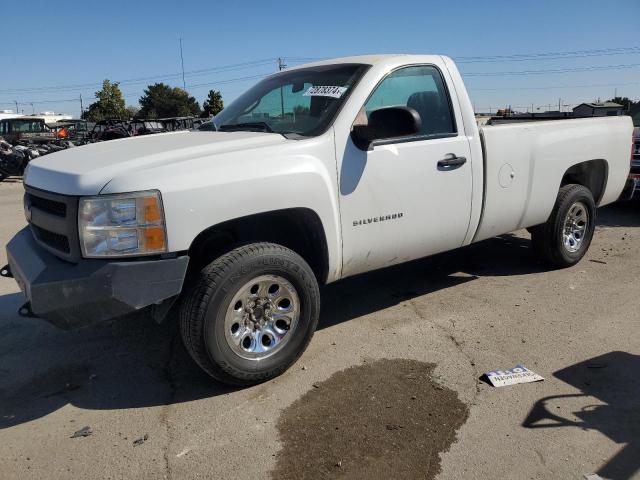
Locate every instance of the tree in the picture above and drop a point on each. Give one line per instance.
(109, 103)
(161, 100)
(213, 104)
(626, 102)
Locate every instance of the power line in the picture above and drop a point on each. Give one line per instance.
(128, 95)
(554, 87)
(549, 55)
(256, 63)
(551, 71)
(519, 57)
(230, 80)
(192, 73)
(297, 60)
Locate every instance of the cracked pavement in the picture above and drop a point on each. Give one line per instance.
(484, 307)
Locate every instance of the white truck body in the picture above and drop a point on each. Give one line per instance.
(206, 178)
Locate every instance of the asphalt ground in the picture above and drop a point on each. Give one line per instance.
(390, 386)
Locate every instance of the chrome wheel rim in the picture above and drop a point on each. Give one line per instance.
(262, 317)
(575, 227)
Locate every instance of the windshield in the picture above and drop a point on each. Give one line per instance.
(300, 102)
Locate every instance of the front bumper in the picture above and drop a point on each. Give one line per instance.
(71, 295)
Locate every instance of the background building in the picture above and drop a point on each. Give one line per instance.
(600, 109)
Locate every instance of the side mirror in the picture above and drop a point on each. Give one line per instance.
(384, 124)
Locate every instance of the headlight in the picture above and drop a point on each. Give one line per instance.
(122, 225)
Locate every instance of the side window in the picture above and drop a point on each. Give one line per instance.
(420, 88)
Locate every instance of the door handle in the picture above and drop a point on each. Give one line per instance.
(452, 162)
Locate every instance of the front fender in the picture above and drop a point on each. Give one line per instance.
(203, 192)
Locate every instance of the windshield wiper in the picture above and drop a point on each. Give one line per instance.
(260, 126)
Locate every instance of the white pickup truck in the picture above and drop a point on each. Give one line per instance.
(315, 174)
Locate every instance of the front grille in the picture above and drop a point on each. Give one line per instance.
(50, 206)
(53, 219)
(54, 240)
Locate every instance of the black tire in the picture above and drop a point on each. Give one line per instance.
(203, 310)
(548, 238)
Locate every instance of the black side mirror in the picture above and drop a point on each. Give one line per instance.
(386, 123)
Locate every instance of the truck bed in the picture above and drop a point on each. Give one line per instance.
(524, 164)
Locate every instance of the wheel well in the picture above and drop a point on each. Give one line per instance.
(299, 229)
(591, 174)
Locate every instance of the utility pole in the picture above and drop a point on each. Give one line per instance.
(81, 109)
(16, 102)
(33, 109)
(559, 104)
(615, 92)
(184, 85)
(281, 66)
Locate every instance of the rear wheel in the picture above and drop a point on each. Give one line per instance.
(565, 237)
(251, 313)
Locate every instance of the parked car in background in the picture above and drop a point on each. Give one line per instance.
(109, 129)
(145, 127)
(29, 129)
(177, 123)
(74, 129)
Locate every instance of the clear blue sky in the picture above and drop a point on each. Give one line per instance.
(52, 44)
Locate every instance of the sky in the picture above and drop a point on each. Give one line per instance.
(557, 51)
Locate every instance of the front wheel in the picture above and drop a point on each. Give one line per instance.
(565, 237)
(251, 313)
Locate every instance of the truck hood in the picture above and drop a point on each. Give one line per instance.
(87, 169)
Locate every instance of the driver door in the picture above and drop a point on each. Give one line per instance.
(398, 202)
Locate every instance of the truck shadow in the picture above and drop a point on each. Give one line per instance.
(128, 363)
(608, 402)
(620, 214)
(505, 255)
(363, 294)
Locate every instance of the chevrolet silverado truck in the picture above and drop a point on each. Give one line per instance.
(315, 174)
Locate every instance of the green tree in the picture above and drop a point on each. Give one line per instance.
(213, 104)
(161, 100)
(109, 103)
(626, 102)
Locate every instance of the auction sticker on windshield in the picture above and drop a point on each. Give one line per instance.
(325, 91)
(512, 376)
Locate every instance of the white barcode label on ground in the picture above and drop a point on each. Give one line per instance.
(512, 376)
